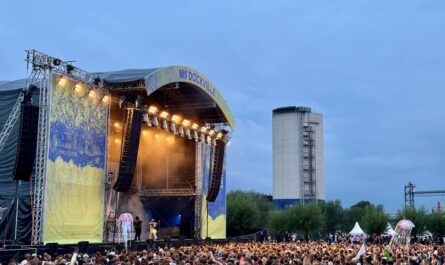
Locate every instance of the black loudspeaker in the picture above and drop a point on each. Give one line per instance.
(83, 246)
(27, 142)
(129, 150)
(52, 248)
(218, 163)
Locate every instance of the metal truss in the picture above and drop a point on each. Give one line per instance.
(165, 192)
(138, 85)
(43, 68)
(45, 86)
(199, 186)
(11, 121)
(15, 112)
(40, 61)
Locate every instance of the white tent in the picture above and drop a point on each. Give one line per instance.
(357, 230)
(389, 230)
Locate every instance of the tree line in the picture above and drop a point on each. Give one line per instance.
(250, 211)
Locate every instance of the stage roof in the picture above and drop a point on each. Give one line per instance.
(157, 78)
(159, 83)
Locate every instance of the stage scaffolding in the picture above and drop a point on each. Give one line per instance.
(45, 72)
(44, 67)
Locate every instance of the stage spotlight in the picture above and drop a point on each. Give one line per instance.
(78, 87)
(211, 132)
(92, 94)
(106, 98)
(145, 118)
(219, 136)
(62, 81)
(173, 128)
(203, 129)
(154, 121)
(69, 68)
(181, 131)
(152, 110)
(57, 61)
(176, 119)
(186, 123)
(117, 141)
(164, 114)
(117, 125)
(164, 125)
(187, 133)
(195, 126)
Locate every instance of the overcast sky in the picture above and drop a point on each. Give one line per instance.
(374, 69)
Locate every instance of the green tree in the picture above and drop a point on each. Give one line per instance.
(375, 220)
(262, 201)
(278, 222)
(354, 214)
(242, 215)
(416, 215)
(436, 224)
(334, 214)
(306, 219)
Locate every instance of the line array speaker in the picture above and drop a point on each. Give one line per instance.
(27, 142)
(218, 163)
(129, 150)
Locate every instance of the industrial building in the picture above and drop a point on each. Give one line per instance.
(297, 156)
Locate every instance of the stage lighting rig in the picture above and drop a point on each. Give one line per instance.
(69, 68)
(97, 81)
(57, 61)
(186, 128)
(174, 121)
(145, 118)
(181, 131)
(154, 121)
(164, 115)
(125, 103)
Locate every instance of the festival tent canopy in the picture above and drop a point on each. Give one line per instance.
(357, 230)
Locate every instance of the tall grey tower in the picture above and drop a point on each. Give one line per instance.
(297, 156)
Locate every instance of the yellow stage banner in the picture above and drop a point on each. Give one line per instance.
(74, 200)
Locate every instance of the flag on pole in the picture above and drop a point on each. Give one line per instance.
(361, 251)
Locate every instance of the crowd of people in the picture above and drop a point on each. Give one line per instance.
(256, 253)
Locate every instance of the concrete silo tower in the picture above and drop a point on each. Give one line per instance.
(297, 155)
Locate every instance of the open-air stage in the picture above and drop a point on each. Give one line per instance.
(77, 149)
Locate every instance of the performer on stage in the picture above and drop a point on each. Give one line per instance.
(137, 228)
(152, 224)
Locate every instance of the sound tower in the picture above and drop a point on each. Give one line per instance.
(27, 141)
(129, 150)
(218, 163)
